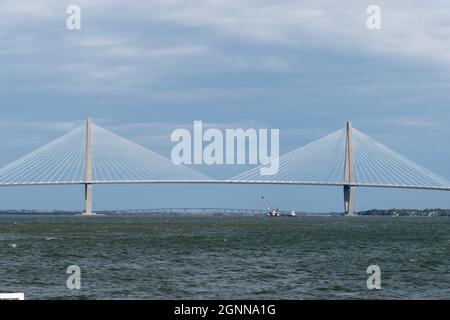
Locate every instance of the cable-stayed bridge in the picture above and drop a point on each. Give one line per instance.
(91, 155)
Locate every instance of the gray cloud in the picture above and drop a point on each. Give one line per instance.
(113, 51)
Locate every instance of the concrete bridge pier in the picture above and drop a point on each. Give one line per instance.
(88, 171)
(349, 199)
(87, 200)
(349, 172)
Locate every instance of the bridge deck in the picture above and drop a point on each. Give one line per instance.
(248, 182)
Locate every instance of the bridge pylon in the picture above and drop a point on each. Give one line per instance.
(88, 171)
(349, 172)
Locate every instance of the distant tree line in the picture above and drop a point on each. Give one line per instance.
(406, 212)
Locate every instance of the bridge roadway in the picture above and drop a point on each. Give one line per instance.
(249, 182)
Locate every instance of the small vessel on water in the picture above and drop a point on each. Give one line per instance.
(272, 212)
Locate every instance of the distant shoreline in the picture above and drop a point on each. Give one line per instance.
(437, 212)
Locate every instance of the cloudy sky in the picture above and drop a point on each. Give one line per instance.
(304, 67)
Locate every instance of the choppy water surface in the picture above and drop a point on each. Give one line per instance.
(148, 257)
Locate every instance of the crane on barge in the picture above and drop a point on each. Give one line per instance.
(272, 212)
